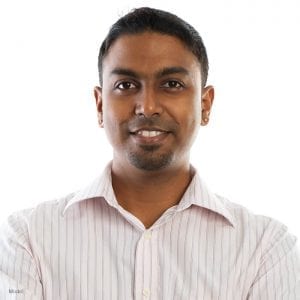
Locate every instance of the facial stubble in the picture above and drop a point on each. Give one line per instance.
(149, 158)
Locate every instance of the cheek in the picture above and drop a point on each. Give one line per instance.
(191, 116)
(190, 124)
(114, 118)
(196, 114)
(110, 121)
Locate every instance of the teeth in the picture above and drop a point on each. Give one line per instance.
(148, 133)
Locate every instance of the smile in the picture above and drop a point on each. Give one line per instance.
(149, 133)
(149, 136)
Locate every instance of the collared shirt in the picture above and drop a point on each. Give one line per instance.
(86, 246)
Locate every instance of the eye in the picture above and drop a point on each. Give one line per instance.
(173, 84)
(125, 85)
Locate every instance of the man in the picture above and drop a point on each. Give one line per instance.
(148, 227)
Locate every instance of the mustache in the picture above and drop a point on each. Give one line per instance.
(152, 122)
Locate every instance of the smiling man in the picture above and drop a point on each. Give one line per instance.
(151, 103)
(148, 227)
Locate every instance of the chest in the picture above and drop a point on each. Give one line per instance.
(189, 257)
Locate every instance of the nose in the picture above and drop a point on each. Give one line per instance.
(148, 104)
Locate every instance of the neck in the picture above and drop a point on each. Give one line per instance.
(148, 194)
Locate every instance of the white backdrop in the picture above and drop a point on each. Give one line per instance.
(51, 144)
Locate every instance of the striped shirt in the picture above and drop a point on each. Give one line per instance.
(86, 246)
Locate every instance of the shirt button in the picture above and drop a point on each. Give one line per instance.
(146, 293)
(148, 235)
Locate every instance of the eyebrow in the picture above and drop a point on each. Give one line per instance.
(161, 73)
(124, 71)
(172, 70)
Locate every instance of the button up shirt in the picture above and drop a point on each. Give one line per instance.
(86, 246)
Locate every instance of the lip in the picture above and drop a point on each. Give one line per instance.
(158, 139)
(136, 130)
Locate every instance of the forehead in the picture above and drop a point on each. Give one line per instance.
(148, 52)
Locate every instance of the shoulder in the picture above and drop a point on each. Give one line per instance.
(19, 222)
(266, 232)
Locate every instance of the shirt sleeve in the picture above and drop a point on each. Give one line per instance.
(19, 275)
(279, 274)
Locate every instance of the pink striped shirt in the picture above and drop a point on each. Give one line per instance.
(86, 246)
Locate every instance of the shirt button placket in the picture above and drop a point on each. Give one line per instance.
(147, 235)
(143, 267)
(146, 293)
(147, 264)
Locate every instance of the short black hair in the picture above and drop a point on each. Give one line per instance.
(145, 19)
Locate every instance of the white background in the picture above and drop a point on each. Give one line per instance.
(51, 144)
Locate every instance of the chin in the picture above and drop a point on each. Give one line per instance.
(150, 162)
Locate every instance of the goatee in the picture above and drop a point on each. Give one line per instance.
(149, 160)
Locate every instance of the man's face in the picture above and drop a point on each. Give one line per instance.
(150, 100)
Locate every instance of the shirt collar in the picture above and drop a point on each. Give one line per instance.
(101, 187)
(197, 194)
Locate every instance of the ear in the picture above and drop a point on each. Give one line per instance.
(98, 98)
(207, 100)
